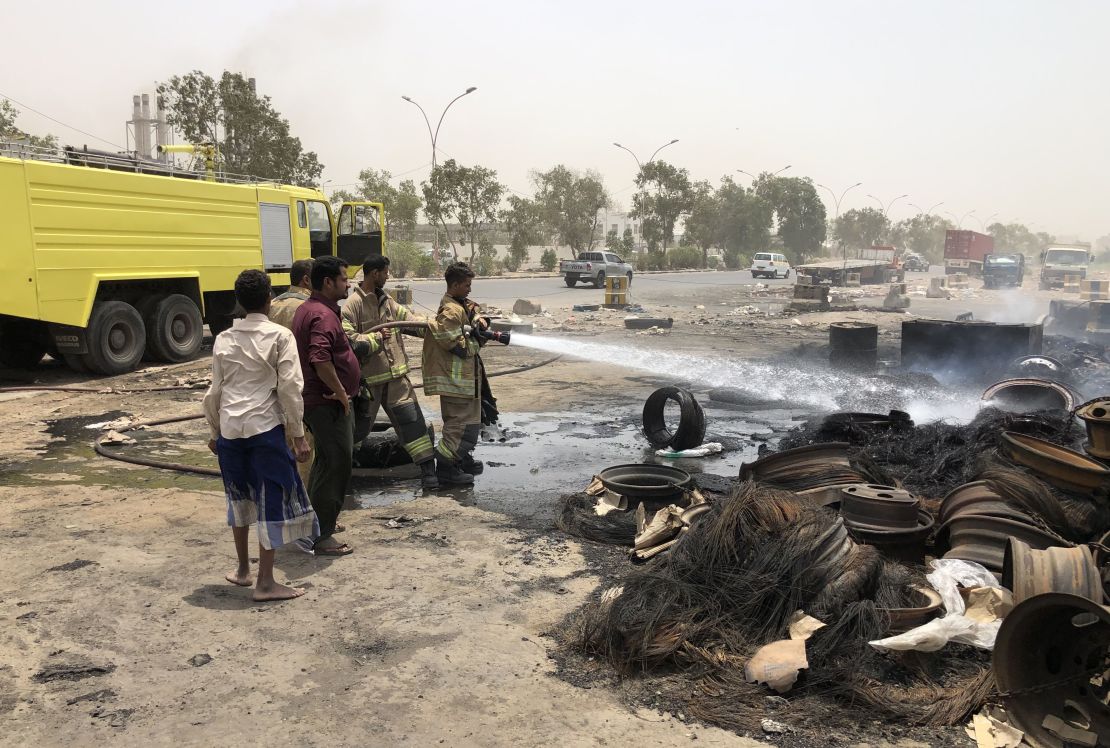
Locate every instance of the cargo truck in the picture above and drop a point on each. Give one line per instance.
(1061, 260)
(964, 251)
(106, 259)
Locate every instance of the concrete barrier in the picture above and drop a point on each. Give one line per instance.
(401, 294)
(1094, 290)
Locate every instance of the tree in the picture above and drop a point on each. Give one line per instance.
(401, 203)
(251, 136)
(523, 222)
(745, 221)
(1016, 237)
(799, 213)
(570, 203)
(861, 227)
(923, 233)
(8, 131)
(548, 260)
(703, 224)
(470, 195)
(665, 195)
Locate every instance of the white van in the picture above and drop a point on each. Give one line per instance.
(770, 265)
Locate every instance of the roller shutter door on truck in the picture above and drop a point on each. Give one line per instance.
(277, 239)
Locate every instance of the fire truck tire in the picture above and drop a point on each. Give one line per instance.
(116, 337)
(174, 329)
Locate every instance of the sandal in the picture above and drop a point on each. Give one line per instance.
(341, 549)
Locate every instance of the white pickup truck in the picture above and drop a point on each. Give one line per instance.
(594, 267)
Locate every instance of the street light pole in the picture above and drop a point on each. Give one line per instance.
(983, 222)
(960, 220)
(640, 166)
(754, 177)
(434, 137)
(836, 218)
(928, 212)
(888, 206)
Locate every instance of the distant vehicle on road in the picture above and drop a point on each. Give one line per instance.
(594, 267)
(1060, 260)
(964, 251)
(915, 263)
(770, 265)
(1000, 271)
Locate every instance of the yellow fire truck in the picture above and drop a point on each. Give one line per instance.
(105, 259)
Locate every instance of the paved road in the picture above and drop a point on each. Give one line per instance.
(552, 292)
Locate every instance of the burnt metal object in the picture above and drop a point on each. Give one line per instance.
(1049, 662)
(904, 619)
(896, 419)
(1039, 367)
(1095, 415)
(905, 546)
(832, 547)
(983, 539)
(813, 455)
(874, 507)
(1028, 395)
(967, 348)
(1027, 572)
(691, 425)
(645, 482)
(978, 497)
(854, 345)
(1066, 317)
(1059, 466)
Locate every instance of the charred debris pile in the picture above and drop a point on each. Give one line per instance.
(874, 570)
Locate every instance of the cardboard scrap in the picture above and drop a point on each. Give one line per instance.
(115, 437)
(989, 730)
(986, 604)
(802, 625)
(777, 664)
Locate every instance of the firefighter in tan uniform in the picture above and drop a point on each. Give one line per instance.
(453, 370)
(385, 370)
(282, 310)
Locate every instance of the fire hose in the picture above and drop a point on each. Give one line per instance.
(104, 451)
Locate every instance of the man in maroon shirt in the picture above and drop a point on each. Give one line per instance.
(331, 380)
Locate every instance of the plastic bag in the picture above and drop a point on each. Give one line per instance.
(946, 577)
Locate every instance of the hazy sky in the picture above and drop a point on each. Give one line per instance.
(997, 107)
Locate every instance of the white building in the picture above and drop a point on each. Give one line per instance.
(611, 220)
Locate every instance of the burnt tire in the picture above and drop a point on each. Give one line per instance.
(116, 337)
(691, 426)
(174, 329)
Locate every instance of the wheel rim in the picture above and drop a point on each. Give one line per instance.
(120, 340)
(179, 330)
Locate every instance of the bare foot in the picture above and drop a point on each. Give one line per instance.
(236, 577)
(276, 591)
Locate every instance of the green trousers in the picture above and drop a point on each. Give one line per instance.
(333, 432)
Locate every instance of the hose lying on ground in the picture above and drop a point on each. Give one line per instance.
(104, 451)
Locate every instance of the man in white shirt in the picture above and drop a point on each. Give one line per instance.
(254, 398)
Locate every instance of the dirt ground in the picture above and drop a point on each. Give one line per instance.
(118, 626)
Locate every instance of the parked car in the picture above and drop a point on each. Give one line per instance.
(594, 267)
(770, 265)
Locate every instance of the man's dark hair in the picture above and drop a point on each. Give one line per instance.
(374, 263)
(328, 266)
(301, 269)
(252, 290)
(457, 272)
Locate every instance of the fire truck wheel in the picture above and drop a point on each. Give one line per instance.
(174, 329)
(116, 337)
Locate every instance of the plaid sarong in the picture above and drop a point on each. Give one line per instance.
(262, 485)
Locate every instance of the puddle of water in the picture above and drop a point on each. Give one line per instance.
(550, 454)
